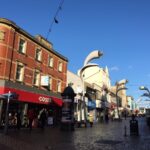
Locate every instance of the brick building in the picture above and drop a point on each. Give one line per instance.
(30, 68)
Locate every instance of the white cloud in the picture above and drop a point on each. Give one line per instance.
(114, 68)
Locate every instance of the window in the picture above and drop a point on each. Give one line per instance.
(22, 46)
(50, 61)
(36, 80)
(38, 55)
(20, 72)
(59, 86)
(60, 66)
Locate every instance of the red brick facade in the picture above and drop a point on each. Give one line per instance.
(10, 35)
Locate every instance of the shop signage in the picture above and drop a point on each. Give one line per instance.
(44, 80)
(26, 96)
(45, 99)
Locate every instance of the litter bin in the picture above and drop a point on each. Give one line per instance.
(134, 129)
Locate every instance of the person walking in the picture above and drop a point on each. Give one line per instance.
(43, 118)
(31, 116)
(91, 120)
(18, 120)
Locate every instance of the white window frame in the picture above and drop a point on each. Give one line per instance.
(50, 61)
(60, 66)
(38, 54)
(20, 72)
(59, 86)
(22, 49)
(36, 79)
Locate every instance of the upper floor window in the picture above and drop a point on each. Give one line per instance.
(22, 46)
(20, 72)
(50, 61)
(59, 86)
(38, 55)
(36, 80)
(60, 66)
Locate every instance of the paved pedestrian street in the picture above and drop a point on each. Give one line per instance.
(101, 136)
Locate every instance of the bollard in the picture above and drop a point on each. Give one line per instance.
(134, 129)
(67, 119)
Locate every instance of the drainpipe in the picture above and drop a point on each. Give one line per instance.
(12, 54)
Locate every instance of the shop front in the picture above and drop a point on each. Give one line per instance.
(29, 99)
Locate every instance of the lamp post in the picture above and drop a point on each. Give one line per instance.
(118, 88)
(93, 55)
(6, 113)
(146, 89)
(124, 88)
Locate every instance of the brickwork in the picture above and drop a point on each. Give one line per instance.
(10, 56)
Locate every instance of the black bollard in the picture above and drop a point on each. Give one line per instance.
(67, 119)
(134, 129)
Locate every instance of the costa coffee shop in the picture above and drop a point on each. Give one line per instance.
(30, 68)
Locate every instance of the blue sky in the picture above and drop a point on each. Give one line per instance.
(119, 28)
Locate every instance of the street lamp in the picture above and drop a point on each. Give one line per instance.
(146, 89)
(146, 94)
(118, 84)
(93, 55)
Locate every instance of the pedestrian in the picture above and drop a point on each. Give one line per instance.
(106, 117)
(18, 120)
(91, 120)
(43, 118)
(125, 114)
(31, 116)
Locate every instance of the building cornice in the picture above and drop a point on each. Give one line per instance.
(18, 29)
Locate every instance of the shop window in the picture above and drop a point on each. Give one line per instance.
(36, 80)
(60, 66)
(50, 61)
(22, 46)
(38, 55)
(59, 86)
(20, 72)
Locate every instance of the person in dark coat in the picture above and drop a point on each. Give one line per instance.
(43, 118)
(31, 116)
(18, 121)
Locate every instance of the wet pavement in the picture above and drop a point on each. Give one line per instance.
(102, 136)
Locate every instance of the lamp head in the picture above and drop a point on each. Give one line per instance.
(142, 88)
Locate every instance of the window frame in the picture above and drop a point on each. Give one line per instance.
(20, 74)
(24, 46)
(59, 86)
(38, 54)
(50, 61)
(36, 78)
(60, 66)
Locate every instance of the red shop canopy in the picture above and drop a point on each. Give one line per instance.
(26, 96)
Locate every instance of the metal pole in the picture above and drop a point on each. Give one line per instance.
(117, 102)
(6, 114)
(84, 104)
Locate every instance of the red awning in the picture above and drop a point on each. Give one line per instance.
(26, 96)
(58, 101)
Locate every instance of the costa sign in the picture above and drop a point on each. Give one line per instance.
(45, 99)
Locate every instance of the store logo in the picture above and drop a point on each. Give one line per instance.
(44, 99)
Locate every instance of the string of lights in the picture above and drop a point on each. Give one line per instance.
(55, 20)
